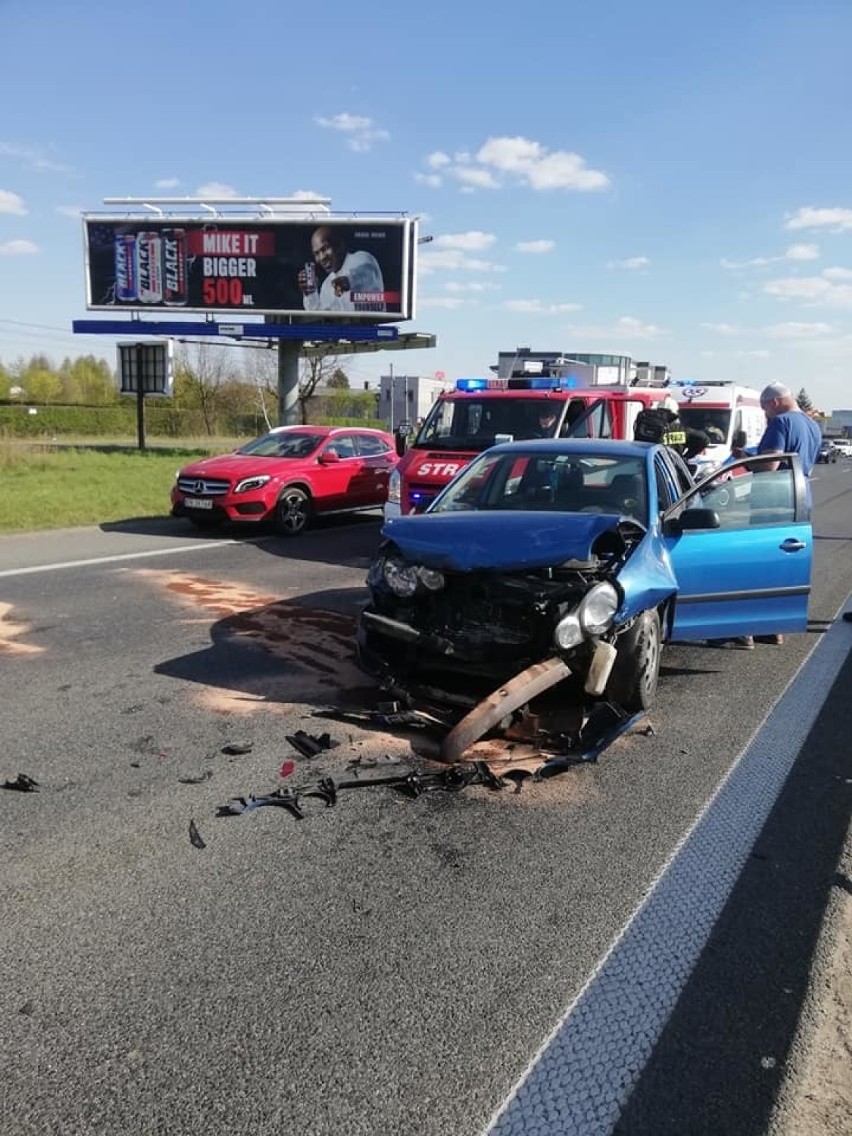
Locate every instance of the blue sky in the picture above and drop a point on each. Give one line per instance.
(668, 180)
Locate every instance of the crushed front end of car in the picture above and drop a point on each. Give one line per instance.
(467, 601)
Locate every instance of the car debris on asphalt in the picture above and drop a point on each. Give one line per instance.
(22, 784)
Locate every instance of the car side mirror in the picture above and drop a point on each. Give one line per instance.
(692, 519)
(739, 440)
(329, 457)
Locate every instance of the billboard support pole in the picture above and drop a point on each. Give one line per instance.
(289, 354)
(140, 416)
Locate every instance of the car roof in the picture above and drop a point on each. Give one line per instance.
(323, 431)
(606, 447)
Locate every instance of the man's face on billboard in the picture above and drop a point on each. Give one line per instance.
(326, 251)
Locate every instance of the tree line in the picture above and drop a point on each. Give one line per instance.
(217, 383)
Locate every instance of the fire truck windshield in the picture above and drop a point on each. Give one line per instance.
(472, 424)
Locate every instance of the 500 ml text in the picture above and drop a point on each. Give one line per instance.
(225, 292)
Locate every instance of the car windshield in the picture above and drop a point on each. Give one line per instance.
(474, 424)
(554, 482)
(289, 444)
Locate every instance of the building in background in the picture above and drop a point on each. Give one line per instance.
(589, 369)
(838, 424)
(405, 399)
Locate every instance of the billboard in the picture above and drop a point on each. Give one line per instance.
(360, 270)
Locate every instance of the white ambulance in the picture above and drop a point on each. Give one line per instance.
(724, 411)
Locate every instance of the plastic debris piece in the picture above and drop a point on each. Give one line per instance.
(308, 745)
(195, 836)
(205, 776)
(22, 784)
(234, 749)
(286, 768)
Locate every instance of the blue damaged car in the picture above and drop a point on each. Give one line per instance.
(587, 556)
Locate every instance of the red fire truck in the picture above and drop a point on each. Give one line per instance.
(479, 413)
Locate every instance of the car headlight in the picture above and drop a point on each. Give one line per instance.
(598, 608)
(394, 484)
(431, 579)
(400, 578)
(593, 616)
(568, 632)
(404, 579)
(249, 483)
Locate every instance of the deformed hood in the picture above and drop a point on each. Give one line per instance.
(471, 540)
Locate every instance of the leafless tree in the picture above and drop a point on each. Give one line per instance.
(201, 370)
(315, 371)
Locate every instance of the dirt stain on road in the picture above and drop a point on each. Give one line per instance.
(315, 646)
(11, 632)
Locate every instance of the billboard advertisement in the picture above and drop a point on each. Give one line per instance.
(349, 269)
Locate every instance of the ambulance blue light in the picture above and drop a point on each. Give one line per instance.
(471, 384)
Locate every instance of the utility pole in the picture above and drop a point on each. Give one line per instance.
(390, 365)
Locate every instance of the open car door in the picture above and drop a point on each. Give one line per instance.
(741, 548)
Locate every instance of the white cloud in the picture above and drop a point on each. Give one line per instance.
(166, 183)
(814, 290)
(18, 248)
(428, 179)
(760, 353)
(450, 302)
(308, 195)
(500, 161)
(533, 165)
(361, 132)
(216, 189)
(802, 252)
(795, 330)
(474, 240)
(723, 328)
(837, 273)
(535, 246)
(12, 203)
(624, 329)
(454, 259)
(472, 177)
(837, 219)
(471, 286)
(794, 253)
(631, 263)
(32, 158)
(75, 211)
(537, 307)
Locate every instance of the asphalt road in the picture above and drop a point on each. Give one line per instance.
(382, 966)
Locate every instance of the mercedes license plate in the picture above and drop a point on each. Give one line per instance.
(197, 503)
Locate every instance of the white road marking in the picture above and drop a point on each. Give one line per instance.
(583, 1073)
(115, 559)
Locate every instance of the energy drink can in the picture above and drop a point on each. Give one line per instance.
(125, 268)
(310, 276)
(149, 268)
(174, 267)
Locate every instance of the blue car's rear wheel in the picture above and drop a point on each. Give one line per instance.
(633, 682)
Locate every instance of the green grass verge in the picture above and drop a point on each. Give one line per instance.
(44, 488)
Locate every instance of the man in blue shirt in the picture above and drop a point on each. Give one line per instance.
(788, 428)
